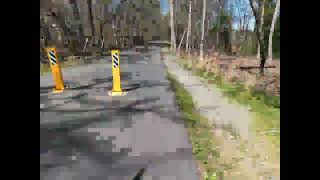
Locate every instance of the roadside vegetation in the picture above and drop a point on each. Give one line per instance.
(265, 108)
(200, 133)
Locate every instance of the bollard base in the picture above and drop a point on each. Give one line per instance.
(56, 91)
(117, 93)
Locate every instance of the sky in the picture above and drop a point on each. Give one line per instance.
(235, 25)
(164, 5)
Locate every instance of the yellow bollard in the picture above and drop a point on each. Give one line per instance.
(56, 70)
(116, 89)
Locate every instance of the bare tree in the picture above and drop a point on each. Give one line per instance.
(184, 32)
(218, 30)
(242, 15)
(189, 27)
(101, 25)
(274, 19)
(260, 28)
(176, 22)
(202, 29)
(85, 45)
(89, 3)
(247, 18)
(173, 38)
(258, 13)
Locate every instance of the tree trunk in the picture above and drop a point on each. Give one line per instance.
(202, 29)
(89, 2)
(189, 27)
(274, 19)
(217, 40)
(261, 40)
(246, 31)
(258, 49)
(175, 19)
(77, 15)
(259, 32)
(85, 45)
(101, 36)
(218, 32)
(184, 32)
(102, 28)
(173, 38)
(241, 28)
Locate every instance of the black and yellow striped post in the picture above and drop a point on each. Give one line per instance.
(56, 70)
(116, 89)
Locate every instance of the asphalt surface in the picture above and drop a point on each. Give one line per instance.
(86, 134)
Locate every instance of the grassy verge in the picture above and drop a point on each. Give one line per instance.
(45, 68)
(264, 108)
(199, 132)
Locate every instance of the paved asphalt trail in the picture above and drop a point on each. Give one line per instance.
(86, 134)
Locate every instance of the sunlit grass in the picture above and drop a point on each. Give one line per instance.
(265, 108)
(199, 131)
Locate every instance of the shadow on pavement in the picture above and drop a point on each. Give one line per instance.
(125, 76)
(139, 175)
(45, 99)
(105, 107)
(73, 85)
(46, 89)
(132, 87)
(146, 84)
(71, 125)
(130, 109)
(61, 139)
(62, 145)
(102, 106)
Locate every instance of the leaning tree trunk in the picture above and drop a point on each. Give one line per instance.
(274, 19)
(173, 38)
(184, 32)
(189, 27)
(202, 29)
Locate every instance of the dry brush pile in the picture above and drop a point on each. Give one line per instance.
(241, 69)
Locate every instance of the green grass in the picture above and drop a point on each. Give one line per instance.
(199, 131)
(265, 108)
(45, 68)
